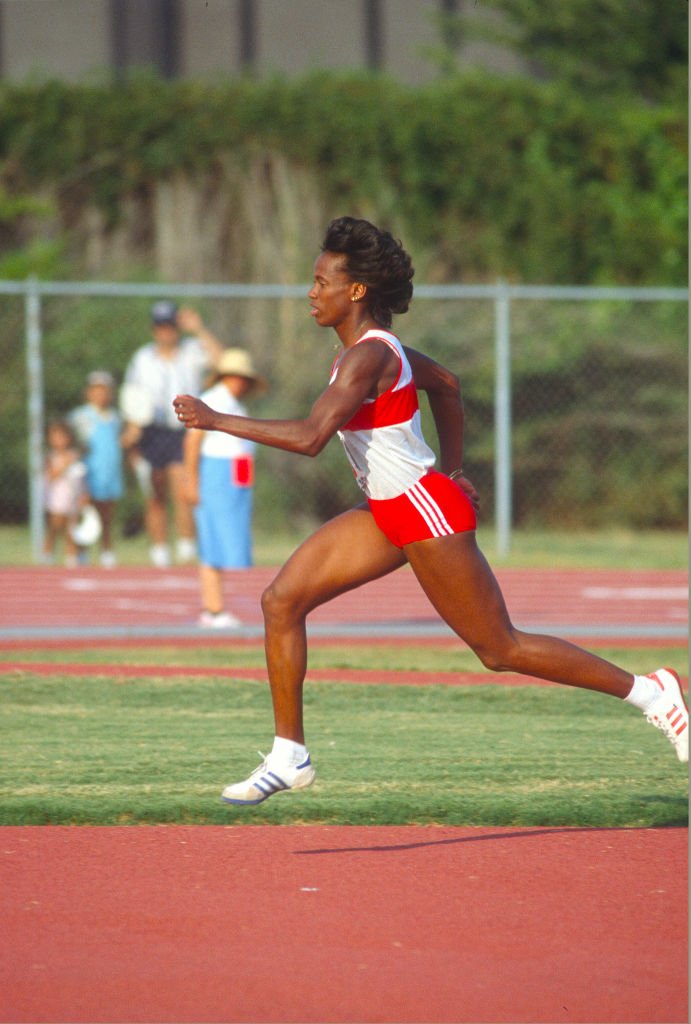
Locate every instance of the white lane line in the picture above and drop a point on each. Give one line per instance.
(91, 584)
(636, 593)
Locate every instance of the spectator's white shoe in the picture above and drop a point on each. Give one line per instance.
(218, 620)
(108, 559)
(185, 550)
(265, 781)
(668, 711)
(160, 556)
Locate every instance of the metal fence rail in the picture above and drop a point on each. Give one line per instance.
(239, 308)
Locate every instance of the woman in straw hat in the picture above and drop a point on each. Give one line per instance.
(219, 470)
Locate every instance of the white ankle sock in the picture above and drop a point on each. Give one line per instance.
(643, 692)
(287, 752)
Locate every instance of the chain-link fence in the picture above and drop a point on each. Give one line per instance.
(576, 408)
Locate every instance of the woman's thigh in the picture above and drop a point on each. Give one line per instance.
(458, 581)
(341, 555)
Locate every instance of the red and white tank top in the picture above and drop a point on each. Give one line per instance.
(383, 440)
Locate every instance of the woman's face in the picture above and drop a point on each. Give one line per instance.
(238, 386)
(333, 292)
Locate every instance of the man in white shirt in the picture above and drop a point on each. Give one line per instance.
(176, 360)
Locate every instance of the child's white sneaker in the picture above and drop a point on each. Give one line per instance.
(160, 556)
(185, 550)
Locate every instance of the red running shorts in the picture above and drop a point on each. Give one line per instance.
(433, 507)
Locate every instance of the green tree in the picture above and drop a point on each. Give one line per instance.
(632, 47)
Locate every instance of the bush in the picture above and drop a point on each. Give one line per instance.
(485, 176)
(480, 177)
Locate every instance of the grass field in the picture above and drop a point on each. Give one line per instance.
(99, 750)
(159, 749)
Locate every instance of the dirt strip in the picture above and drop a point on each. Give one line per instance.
(373, 676)
(334, 675)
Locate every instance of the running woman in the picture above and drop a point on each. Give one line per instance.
(413, 513)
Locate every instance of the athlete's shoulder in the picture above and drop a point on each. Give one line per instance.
(379, 334)
(381, 342)
(371, 356)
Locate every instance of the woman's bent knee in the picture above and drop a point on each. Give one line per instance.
(279, 606)
(501, 656)
(492, 661)
(270, 602)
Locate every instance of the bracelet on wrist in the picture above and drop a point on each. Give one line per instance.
(456, 474)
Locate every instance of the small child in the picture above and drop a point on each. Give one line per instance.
(64, 491)
(98, 427)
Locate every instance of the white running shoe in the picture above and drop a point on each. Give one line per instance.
(185, 550)
(160, 556)
(668, 712)
(218, 620)
(264, 782)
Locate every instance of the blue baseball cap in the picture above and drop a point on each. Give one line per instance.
(164, 312)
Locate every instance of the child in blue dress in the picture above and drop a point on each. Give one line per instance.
(98, 427)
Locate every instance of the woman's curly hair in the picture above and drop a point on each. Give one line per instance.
(377, 260)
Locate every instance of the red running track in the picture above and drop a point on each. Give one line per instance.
(261, 924)
(582, 600)
(312, 924)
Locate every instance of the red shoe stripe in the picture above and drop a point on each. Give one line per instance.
(654, 675)
(674, 716)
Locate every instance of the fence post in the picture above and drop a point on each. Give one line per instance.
(502, 419)
(34, 373)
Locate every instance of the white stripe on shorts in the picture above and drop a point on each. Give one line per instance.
(429, 510)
